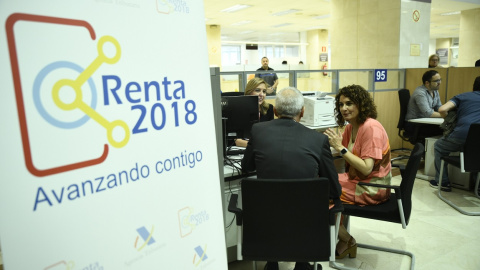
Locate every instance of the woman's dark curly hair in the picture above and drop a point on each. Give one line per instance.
(360, 97)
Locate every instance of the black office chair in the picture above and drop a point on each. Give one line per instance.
(285, 220)
(467, 162)
(403, 97)
(411, 136)
(397, 209)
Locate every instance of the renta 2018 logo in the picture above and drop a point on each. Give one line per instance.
(135, 93)
(189, 220)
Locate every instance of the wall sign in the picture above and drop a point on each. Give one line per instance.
(380, 75)
(416, 15)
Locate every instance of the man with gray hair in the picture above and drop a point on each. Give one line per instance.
(285, 149)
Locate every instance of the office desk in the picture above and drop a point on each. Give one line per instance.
(320, 128)
(429, 142)
(427, 120)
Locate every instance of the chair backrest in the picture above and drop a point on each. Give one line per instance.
(285, 220)
(472, 148)
(408, 179)
(404, 98)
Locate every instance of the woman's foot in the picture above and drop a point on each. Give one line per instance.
(346, 248)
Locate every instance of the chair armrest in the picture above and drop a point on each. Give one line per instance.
(337, 208)
(396, 188)
(400, 166)
(232, 208)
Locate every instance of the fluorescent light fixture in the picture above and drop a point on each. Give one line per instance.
(247, 32)
(317, 27)
(285, 12)
(322, 17)
(241, 23)
(264, 43)
(281, 25)
(235, 8)
(450, 13)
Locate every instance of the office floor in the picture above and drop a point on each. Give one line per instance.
(438, 235)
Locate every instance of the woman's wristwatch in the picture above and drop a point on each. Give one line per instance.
(343, 151)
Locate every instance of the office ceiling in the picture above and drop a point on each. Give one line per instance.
(258, 24)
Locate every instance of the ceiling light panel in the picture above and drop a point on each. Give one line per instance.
(281, 25)
(235, 8)
(322, 17)
(450, 13)
(285, 12)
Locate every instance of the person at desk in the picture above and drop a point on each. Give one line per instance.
(270, 78)
(425, 102)
(468, 112)
(433, 61)
(258, 87)
(365, 148)
(294, 152)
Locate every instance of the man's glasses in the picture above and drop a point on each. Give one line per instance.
(434, 60)
(437, 81)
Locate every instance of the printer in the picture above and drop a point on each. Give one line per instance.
(319, 110)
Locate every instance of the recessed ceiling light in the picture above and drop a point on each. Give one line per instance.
(322, 17)
(450, 13)
(241, 23)
(235, 8)
(285, 12)
(281, 25)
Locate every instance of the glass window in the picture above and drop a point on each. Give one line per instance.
(292, 51)
(231, 55)
(279, 52)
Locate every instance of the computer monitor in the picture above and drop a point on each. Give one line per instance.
(240, 113)
(232, 94)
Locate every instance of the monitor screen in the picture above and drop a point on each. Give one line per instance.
(240, 113)
(232, 94)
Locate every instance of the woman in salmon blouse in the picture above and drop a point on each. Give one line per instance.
(365, 148)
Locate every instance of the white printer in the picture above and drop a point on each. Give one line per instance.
(319, 110)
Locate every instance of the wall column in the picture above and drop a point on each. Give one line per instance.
(214, 45)
(379, 34)
(317, 40)
(469, 45)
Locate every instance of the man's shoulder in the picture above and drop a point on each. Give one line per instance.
(420, 88)
(263, 124)
(474, 96)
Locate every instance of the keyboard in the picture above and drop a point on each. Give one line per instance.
(234, 152)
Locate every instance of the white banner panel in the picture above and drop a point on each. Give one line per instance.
(108, 154)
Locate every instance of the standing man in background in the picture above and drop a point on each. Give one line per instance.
(270, 78)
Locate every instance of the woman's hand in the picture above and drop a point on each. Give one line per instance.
(334, 138)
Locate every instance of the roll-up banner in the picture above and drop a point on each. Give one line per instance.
(108, 154)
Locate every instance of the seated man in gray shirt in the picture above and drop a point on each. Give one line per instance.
(425, 102)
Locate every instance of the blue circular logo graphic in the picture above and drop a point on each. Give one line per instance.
(38, 103)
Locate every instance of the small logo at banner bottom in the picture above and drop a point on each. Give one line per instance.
(146, 236)
(201, 254)
(61, 265)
